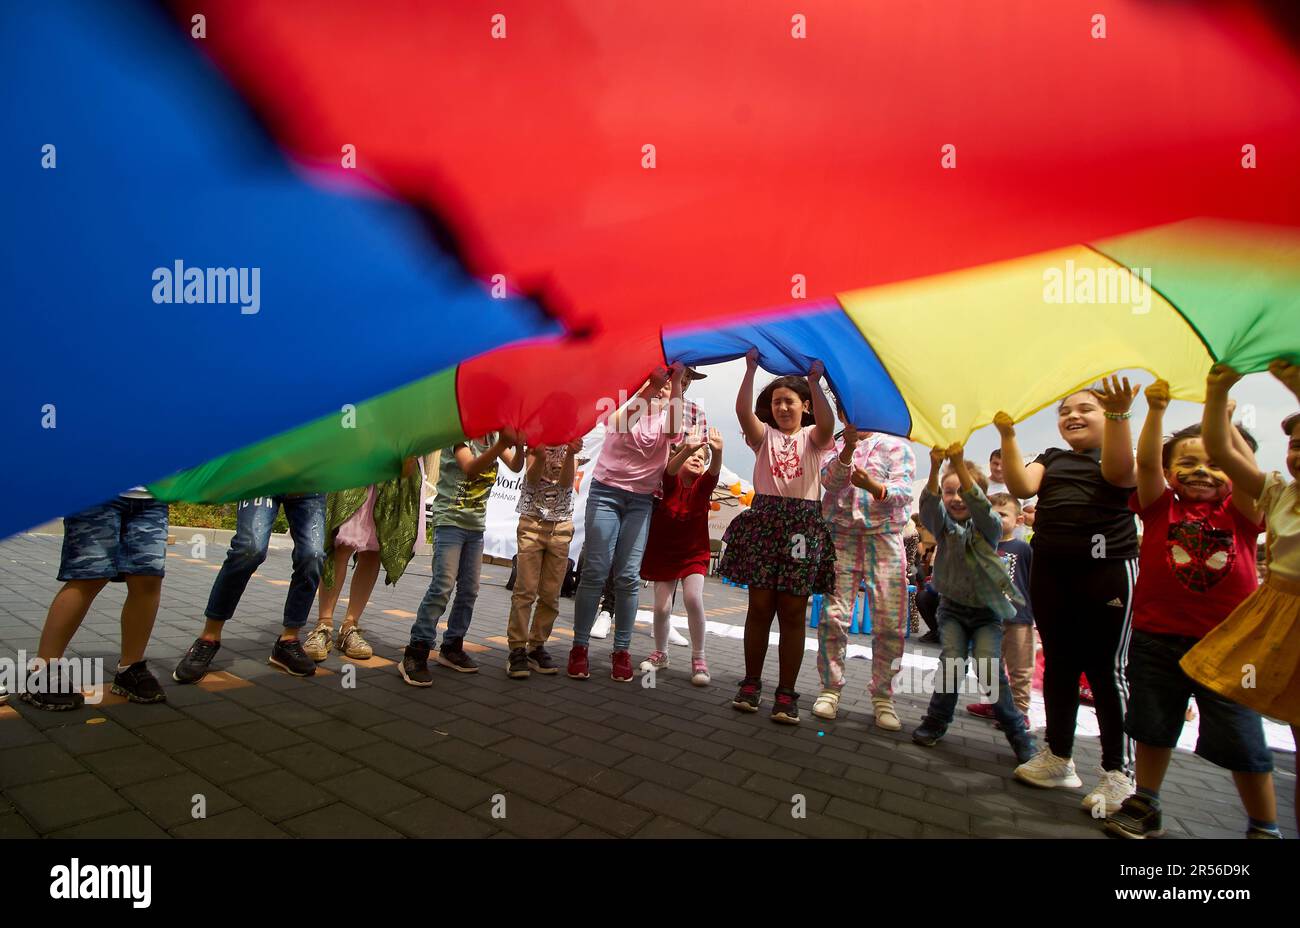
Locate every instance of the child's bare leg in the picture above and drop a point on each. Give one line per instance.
(693, 595)
(329, 595)
(1152, 764)
(138, 615)
(1257, 796)
(758, 624)
(67, 611)
(363, 583)
(790, 613)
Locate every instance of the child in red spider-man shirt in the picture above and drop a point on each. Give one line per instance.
(1196, 565)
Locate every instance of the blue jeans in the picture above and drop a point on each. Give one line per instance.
(306, 515)
(972, 631)
(617, 525)
(457, 562)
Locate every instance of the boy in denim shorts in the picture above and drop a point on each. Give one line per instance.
(124, 539)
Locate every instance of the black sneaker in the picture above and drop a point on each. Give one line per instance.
(518, 666)
(785, 706)
(414, 667)
(289, 656)
(454, 656)
(749, 695)
(541, 661)
(44, 691)
(137, 684)
(929, 732)
(193, 667)
(1136, 818)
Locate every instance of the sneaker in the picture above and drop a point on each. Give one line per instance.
(578, 666)
(1085, 695)
(676, 637)
(44, 691)
(749, 695)
(928, 733)
(826, 705)
(601, 627)
(539, 659)
(657, 660)
(354, 645)
(1136, 818)
(785, 707)
(288, 655)
(320, 642)
(454, 656)
(622, 671)
(981, 710)
(194, 666)
(517, 666)
(1046, 770)
(1253, 832)
(1113, 788)
(700, 672)
(886, 715)
(137, 684)
(414, 667)
(4, 694)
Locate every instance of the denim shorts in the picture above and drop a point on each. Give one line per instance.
(1231, 736)
(123, 537)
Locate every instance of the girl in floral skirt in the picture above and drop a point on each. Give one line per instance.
(781, 547)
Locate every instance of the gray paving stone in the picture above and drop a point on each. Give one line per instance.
(35, 763)
(54, 804)
(370, 792)
(313, 762)
(278, 795)
(223, 763)
(16, 732)
(338, 821)
(732, 824)
(13, 825)
(873, 819)
(670, 803)
(752, 805)
(662, 827)
(170, 801)
(122, 825)
(392, 759)
(528, 781)
(525, 818)
(456, 789)
(135, 764)
(594, 776)
(186, 735)
(263, 735)
(220, 713)
(602, 811)
(338, 735)
(464, 756)
(92, 735)
(429, 818)
(239, 823)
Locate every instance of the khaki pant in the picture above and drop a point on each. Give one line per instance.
(539, 575)
(1018, 655)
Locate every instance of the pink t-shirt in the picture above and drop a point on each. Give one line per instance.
(789, 465)
(634, 460)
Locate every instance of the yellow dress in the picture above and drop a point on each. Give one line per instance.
(1253, 656)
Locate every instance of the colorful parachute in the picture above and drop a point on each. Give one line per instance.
(904, 191)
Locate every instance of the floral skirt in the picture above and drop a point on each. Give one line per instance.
(781, 544)
(1253, 656)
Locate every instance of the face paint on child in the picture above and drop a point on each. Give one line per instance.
(1193, 475)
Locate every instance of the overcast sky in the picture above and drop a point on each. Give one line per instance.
(1272, 402)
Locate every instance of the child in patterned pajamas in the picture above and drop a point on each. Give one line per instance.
(868, 500)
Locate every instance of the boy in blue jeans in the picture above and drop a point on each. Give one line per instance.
(975, 595)
(124, 539)
(306, 515)
(466, 474)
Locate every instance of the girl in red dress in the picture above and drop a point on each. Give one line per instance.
(678, 545)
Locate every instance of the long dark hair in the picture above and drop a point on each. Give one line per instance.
(763, 405)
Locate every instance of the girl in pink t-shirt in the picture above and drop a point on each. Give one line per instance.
(781, 547)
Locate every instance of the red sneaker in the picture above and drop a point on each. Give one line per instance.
(622, 671)
(982, 710)
(578, 668)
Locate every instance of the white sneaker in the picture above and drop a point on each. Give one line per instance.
(1046, 770)
(1113, 788)
(676, 637)
(700, 672)
(4, 694)
(657, 660)
(886, 715)
(601, 627)
(827, 704)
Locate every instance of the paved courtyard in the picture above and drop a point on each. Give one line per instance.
(481, 755)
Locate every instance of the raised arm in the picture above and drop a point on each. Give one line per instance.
(823, 433)
(571, 451)
(754, 429)
(1021, 479)
(677, 374)
(838, 467)
(1116, 399)
(1150, 469)
(628, 414)
(1245, 474)
(513, 457)
(715, 452)
(931, 506)
(692, 444)
(474, 466)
